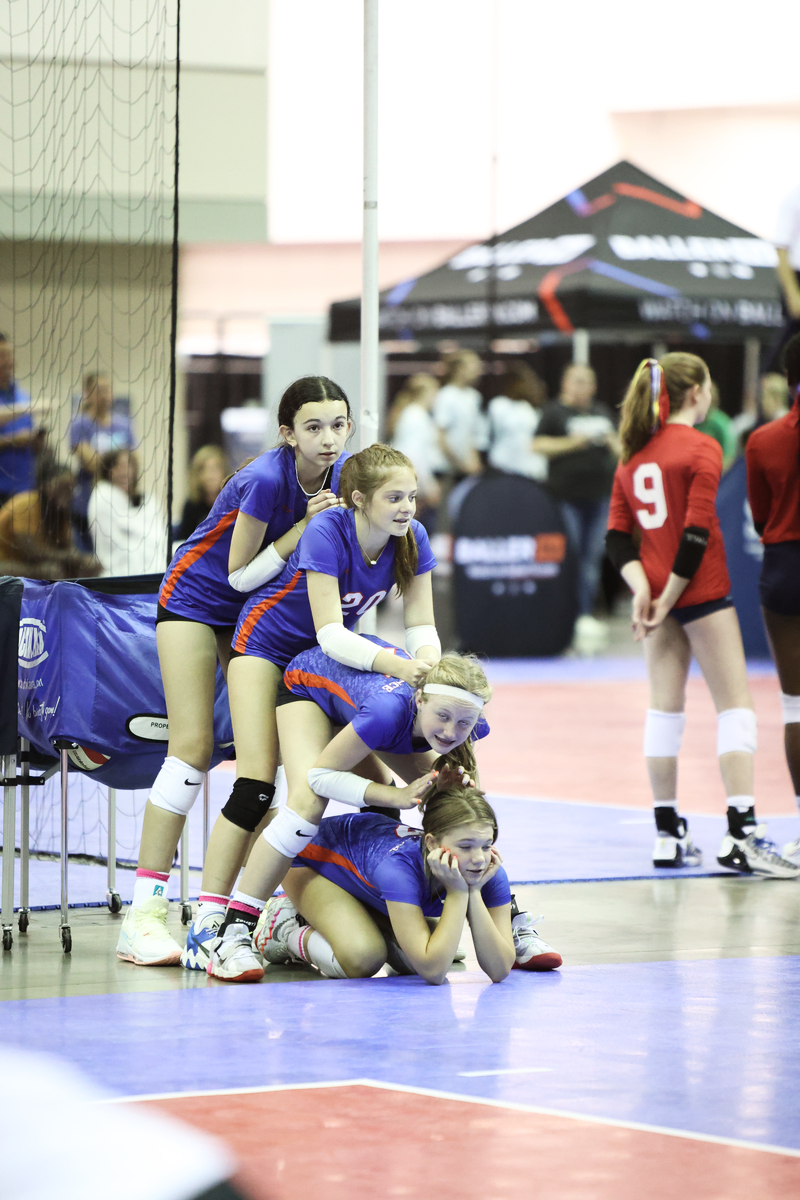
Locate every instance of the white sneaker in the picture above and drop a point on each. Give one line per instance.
(196, 953)
(755, 855)
(533, 953)
(678, 851)
(275, 924)
(232, 956)
(792, 851)
(591, 636)
(143, 938)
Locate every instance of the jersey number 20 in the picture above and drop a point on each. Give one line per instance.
(648, 486)
(353, 599)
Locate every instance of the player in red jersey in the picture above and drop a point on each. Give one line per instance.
(773, 486)
(664, 538)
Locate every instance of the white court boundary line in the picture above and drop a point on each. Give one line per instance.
(613, 1122)
(625, 808)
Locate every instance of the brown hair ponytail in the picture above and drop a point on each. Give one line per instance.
(365, 472)
(640, 407)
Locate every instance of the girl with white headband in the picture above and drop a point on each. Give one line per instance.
(665, 539)
(410, 729)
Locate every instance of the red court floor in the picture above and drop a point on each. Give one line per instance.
(583, 741)
(345, 1142)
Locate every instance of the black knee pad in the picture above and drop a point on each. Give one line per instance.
(249, 803)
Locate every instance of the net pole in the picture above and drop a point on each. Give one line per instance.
(173, 330)
(370, 382)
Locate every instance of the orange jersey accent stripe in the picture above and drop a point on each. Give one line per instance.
(316, 681)
(255, 614)
(323, 854)
(191, 556)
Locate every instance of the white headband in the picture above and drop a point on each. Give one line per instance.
(444, 689)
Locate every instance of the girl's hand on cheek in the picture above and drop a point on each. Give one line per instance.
(444, 868)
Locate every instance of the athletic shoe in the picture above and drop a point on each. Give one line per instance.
(755, 855)
(196, 954)
(143, 938)
(533, 954)
(679, 851)
(792, 851)
(277, 921)
(232, 956)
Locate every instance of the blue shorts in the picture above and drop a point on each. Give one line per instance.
(693, 612)
(779, 585)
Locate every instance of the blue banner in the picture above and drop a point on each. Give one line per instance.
(88, 672)
(744, 552)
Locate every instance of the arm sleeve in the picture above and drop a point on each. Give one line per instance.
(426, 561)
(620, 548)
(701, 503)
(397, 879)
(691, 549)
(758, 489)
(619, 513)
(497, 891)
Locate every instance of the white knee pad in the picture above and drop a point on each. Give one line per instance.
(790, 706)
(663, 733)
(736, 731)
(289, 834)
(176, 786)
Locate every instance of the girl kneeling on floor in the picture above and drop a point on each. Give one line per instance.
(367, 888)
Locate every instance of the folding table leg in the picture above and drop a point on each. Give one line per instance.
(112, 895)
(66, 932)
(186, 908)
(25, 838)
(8, 765)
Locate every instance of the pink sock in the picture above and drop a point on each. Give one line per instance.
(149, 884)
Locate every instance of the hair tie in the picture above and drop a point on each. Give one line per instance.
(444, 689)
(659, 396)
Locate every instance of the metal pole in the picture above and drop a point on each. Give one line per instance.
(184, 868)
(370, 375)
(66, 937)
(112, 842)
(8, 765)
(25, 835)
(205, 815)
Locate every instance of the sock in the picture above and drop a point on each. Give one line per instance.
(741, 816)
(243, 910)
(317, 951)
(147, 885)
(210, 905)
(667, 819)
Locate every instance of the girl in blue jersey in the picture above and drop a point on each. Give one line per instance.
(347, 561)
(412, 730)
(253, 527)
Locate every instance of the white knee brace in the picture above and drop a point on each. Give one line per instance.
(663, 733)
(288, 833)
(176, 786)
(736, 731)
(790, 706)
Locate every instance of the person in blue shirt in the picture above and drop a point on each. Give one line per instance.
(94, 431)
(252, 528)
(19, 441)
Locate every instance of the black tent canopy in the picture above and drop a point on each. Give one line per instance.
(622, 254)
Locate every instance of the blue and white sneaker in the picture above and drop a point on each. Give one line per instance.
(196, 954)
(756, 855)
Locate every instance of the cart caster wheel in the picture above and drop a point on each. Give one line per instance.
(23, 922)
(8, 938)
(114, 902)
(186, 914)
(66, 939)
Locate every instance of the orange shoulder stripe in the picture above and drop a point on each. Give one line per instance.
(191, 556)
(323, 854)
(304, 678)
(255, 614)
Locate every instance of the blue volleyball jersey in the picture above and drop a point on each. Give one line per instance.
(196, 581)
(276, 622)
(377, 859)
(380, 709)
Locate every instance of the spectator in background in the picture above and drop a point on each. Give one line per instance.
(580, 442)
(773, 402)
(514, 415)
(94, 431)
(458, 414)
(129, 529)
(207, 473)
(411, 429)
(787, 244)
(36, 537)
(720, 427)
(19, 441)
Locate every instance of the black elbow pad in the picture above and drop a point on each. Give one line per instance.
(690, 551)
(620, 548)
